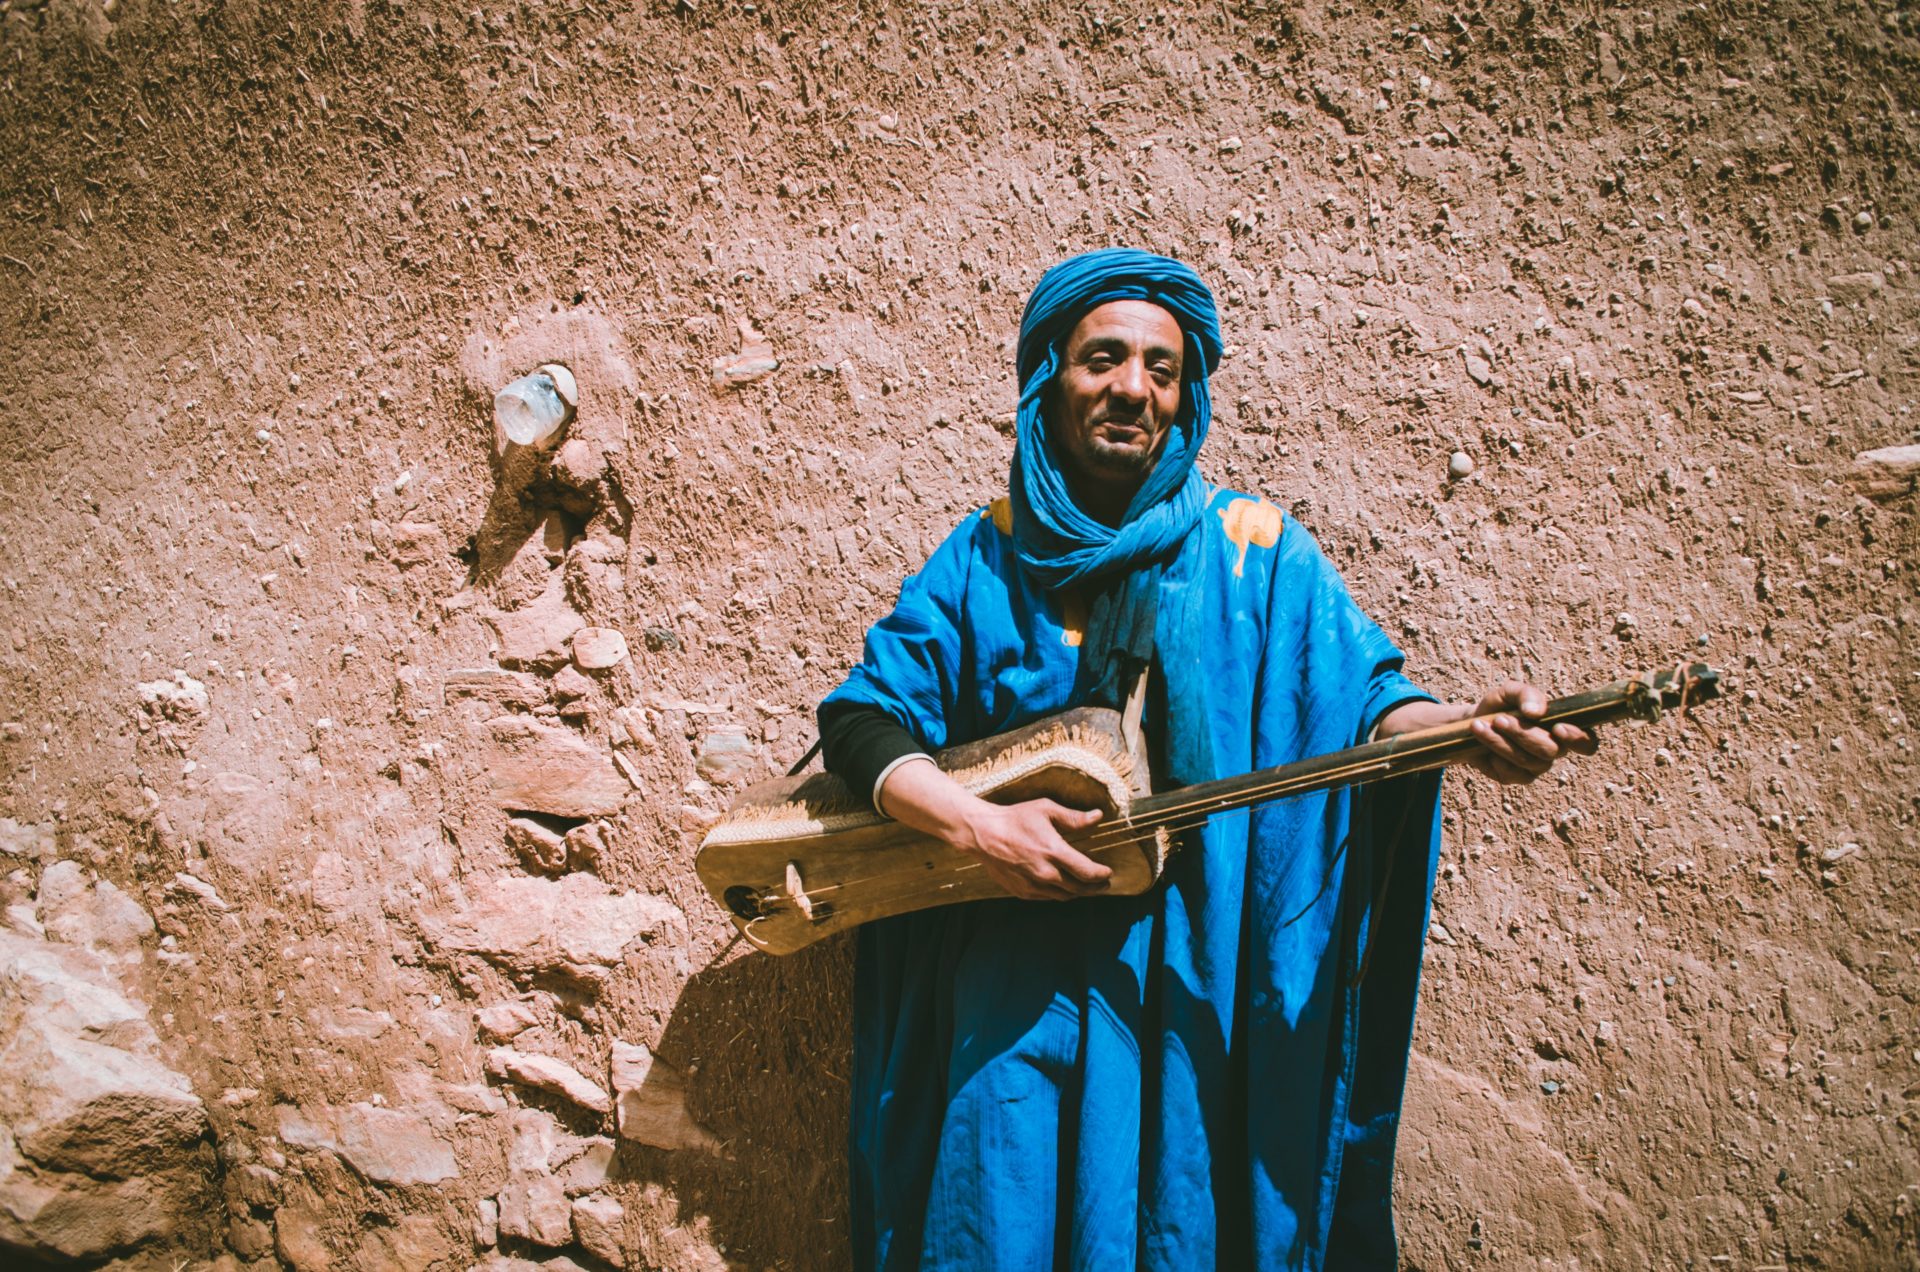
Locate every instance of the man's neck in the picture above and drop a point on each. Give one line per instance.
(1105, 499)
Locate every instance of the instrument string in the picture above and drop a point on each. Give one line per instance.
(1406, 760)
(1179, 817)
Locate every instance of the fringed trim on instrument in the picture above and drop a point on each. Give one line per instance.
(824, 806)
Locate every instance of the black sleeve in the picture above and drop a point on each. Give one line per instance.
(857, 742)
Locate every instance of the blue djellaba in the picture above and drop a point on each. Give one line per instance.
(1208, 1075)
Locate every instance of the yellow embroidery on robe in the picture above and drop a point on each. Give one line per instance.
(1001, 511)
(1073, 618)
(1247, 522)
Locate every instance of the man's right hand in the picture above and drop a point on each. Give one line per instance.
(1020, 846)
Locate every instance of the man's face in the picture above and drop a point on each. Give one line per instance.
(1118, 390)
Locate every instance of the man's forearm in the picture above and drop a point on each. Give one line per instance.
(1410, 717)
(920, 795)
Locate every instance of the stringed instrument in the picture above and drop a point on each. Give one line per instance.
(797, 859)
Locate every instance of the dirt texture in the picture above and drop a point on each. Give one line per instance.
(354, 759)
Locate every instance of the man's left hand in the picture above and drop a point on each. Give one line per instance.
(1515, 747)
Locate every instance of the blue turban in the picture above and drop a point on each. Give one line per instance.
(1059, 543)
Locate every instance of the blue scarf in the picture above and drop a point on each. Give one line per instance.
(1059, 543)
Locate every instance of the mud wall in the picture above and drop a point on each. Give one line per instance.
(354, 761)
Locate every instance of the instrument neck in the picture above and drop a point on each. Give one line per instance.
(1420, 751)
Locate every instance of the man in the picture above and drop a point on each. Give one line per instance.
(1208, 1075)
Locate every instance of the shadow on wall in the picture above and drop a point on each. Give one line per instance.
(762, 1046)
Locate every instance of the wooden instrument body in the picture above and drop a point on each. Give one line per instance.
(799, 858)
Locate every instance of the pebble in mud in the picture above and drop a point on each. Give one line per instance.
(1460, 466)
(597, 648)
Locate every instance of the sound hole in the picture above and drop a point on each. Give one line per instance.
(744, 901)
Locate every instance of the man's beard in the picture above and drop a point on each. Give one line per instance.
(1116, 459)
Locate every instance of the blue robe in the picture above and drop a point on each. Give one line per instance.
(1195, 1078)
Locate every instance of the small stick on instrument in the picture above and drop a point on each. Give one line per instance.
(797, 859)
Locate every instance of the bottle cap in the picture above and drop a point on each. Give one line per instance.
(564, 383)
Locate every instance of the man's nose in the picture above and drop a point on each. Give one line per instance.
(1130, 380)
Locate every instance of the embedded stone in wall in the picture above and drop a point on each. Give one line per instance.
(536, 634)
(187, 885)
(462, 1097)
(535, 1208)
(573, 927)
(388, 1146)
(351, 1022)
(505, 1020)
(754, 361)
(82, 1088)
(415, 543)
(545, 768)
(1886, 473)
(335, 886)
(508, 1263)
(598, 1221)
(586, 844)
(598, 648)
(584, 1164)
(413, 1241)
(254, 1185)
(650, 1102)
(180, 701)
(83, 1219)
(1856, 286)
(728, 757)
(631, 729)
(66, 991)
(297, 1239)
(33, 841)
(486, 1223)
(539, 846)
(249, 1238)
(569, 684)
(544, 1073)
(99, 1140)
(492, 690)
(75, 1105)
(578, 464)
(103, 918)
